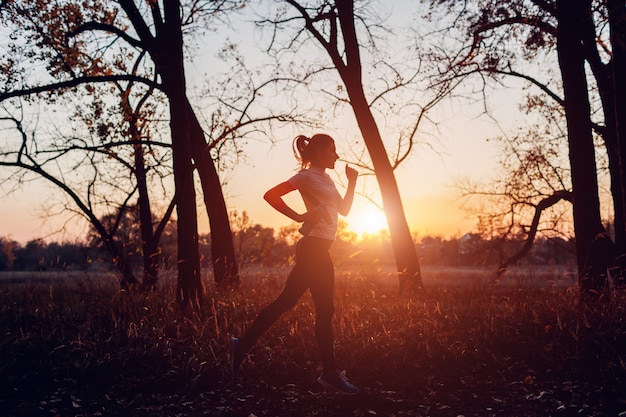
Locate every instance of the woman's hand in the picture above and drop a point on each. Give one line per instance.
(351, 173)
(346, 202)
(312, 216)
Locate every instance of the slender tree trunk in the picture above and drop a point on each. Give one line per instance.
(348, 64)
(407, 261)
(148, 242)
(615, 172)
(128, 280)
(190, 290)
(586, 204)
(225, 268)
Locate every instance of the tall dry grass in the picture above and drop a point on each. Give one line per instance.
(520, 343)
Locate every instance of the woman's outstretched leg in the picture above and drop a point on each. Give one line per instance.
(295, 286)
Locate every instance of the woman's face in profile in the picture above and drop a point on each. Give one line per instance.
(326, 156)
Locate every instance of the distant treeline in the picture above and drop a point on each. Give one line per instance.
(256, 244)
(37, 255)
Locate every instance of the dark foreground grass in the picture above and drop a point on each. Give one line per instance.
(81, 347)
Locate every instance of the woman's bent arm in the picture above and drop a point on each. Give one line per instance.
(274, 197)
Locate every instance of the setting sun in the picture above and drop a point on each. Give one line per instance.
(367, 219)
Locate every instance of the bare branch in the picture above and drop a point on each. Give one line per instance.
(532, 232)
(139, 24)
(108, 28)
(75, 82)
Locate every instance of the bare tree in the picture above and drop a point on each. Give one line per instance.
(98, 44)
(138, 133)
(68, 36)
(30, 156)
(522, 201)
(498, 30)
(341, 33)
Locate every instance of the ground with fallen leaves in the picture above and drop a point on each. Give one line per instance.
(82, 348)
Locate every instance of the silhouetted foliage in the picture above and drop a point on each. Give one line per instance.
(260, 246)
(37, 255)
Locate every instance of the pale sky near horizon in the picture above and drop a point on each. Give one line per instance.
(463, 150)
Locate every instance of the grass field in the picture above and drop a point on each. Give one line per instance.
(74, 345)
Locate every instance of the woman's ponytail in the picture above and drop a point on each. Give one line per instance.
(300, 147)
(304, 148)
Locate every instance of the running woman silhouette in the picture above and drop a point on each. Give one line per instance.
(313, 269)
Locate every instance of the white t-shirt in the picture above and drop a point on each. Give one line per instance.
(318, 189)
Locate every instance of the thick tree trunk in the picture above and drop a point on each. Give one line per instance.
(617, 25)
(167, 53)
(586, 204)
(166, 49)
(605, 79)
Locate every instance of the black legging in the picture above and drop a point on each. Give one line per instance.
(313, 270)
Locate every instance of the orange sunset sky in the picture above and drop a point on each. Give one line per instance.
(426, 184)
(459, 148)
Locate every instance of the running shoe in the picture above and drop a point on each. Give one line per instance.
(339, 382)
(237, 355)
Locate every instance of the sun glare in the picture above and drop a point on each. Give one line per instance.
(367, 220)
